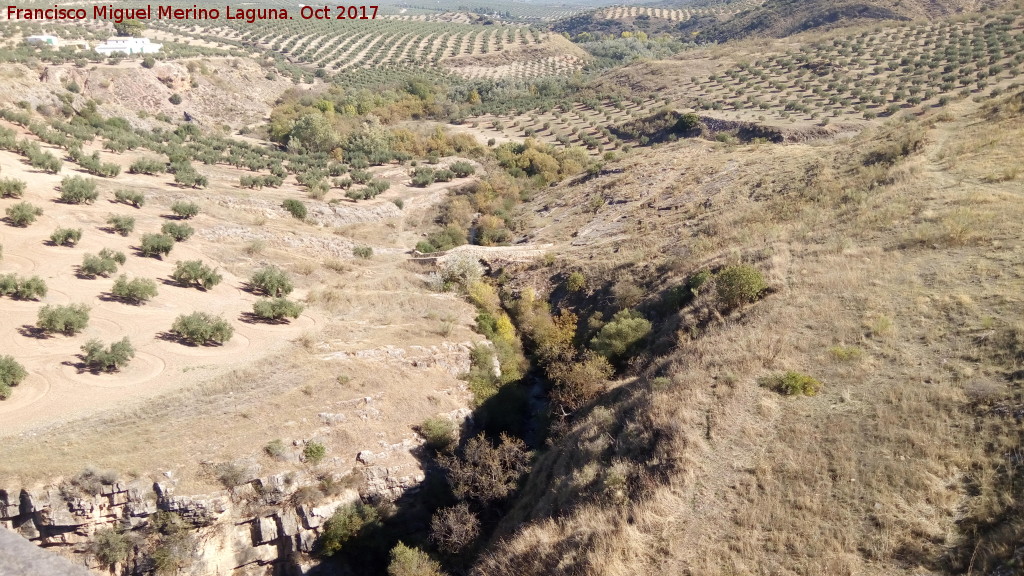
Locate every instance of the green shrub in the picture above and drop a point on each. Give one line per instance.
(276, 309)
(11, 374)
(791, 384)
(22, 214)
(202, 328)
(66, 236)
(11, 188)
(175, 99)
(100, 358)
(185, 210)
(271, 281)
(576, 281)
(347, 523)
(135, 291)
(123, 225)
(110, 546)
(32, 288)
(276, 449)
(180, 232)
(194, 272)
(406, 561)
(438, 432)
(104, 264)
(738, 285)
(147, 166)
(364, 252)
(78, 190)
(130, 197)
(156, 245)
(462, 168)
(295, 208)
(68, 320)
(148, 62)
(626, 329)
(314, 452)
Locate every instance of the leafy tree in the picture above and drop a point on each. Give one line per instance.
(180, 232)
(295, 208)
(78, 190)
(195, 272)
(11, 374)
(32, 288)
(625, 330)
(156, 245)
(129, 28)
(147, 166)
(11, 188)
(462, 168)
(104, 264)
(185, 210)
(271, 281)
(135, 291)
(99, 358)
(130, 197)
(66, 236)
(22, 214)
(347, 523)
(312, 133)
(202, 328)
(68, 320)
(123, 225)
(276, 309)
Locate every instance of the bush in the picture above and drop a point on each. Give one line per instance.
(149, 166)
(11, 188)
(66, 236)
(68, 320)
(202, 328)
(32, 288)
(194, 272)
(271, 281)
(791, 384)
(314, 452)
(135, 291)
(110, 546)
(130, 197)
(462, 168)
(180, 232)
(276, 309)
(185, 210)
(11, 374)
(454, 529)
(406, 561)
(461, 271)
(156, 245)
(22, 214)
(576, 281)
(486, 473)
(738, 285)
(103, 264)
(347, 523)
(78, 190)
(148, 62)
(175, 99)
(276, 449)
(123, 225)
(364, 252)
(107, 359)
(295, 208)
(622, 333)
(438, 432)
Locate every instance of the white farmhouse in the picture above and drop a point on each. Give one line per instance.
(128, 45)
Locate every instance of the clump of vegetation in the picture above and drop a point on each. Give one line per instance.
(130, 197)
(791, 384)
(78, 190)
(180, 232)
(576, 281)
(149, 166)
(201, 328)
(314, 452)
(136, 291)
(454, 529)
(123, 225)
(364, 252)
(100, 358)
(462, 168)
(615, 339)
(103, 264)
(11, 188)
(276, 309)
(346, 525)
(110, 546)
(158, 245)
(22, 214)
(406, 561)
(32, 288)
(185, 210)
(296, 208)
(11, 374)
(738, 285)
(66, 236)
(271, 281)
(485, 472)
(195, 272)
(439, 433)
(276, 449)
(69, 319)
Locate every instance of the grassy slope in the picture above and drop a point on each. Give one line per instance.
(899, 466)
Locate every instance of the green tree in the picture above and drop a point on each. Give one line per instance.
(347, 523)
(271, 281)
(100, 358)
(626, 329)
(68, 320)
(135, 291)
(156, 245)
(202, 328)
(78, 190)
(129, 28)
(406, 561)
(22, 214)
(195, 272)
(312, 133)
(276, 309)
